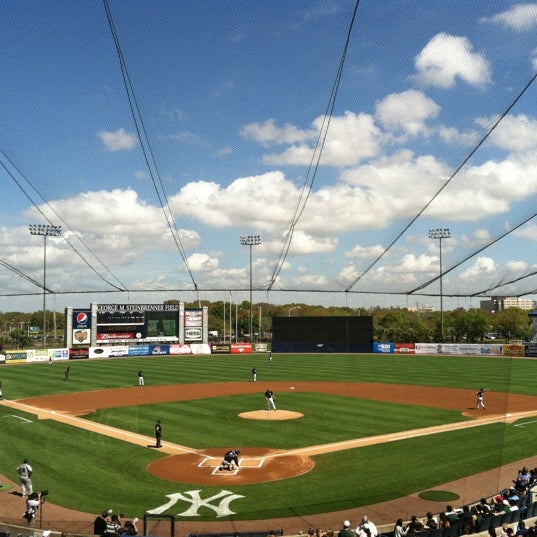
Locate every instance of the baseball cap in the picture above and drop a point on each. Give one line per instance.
(346, 524)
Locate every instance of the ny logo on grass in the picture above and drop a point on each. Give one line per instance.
(194, 498)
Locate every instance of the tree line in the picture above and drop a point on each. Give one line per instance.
(24, 330)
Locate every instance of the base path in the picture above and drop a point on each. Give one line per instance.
(262, 465)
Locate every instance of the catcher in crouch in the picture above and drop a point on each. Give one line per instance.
(231, 460)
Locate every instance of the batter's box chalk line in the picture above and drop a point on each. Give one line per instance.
(247, 463)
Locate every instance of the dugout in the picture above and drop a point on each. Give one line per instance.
(322, 334)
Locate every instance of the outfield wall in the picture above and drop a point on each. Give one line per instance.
(459, 349)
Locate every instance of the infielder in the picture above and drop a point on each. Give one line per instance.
(269, 396)
(230, 461)
(481, 398)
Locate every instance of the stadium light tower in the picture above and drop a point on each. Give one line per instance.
(439, 234)
(250, 240)
(45, 230)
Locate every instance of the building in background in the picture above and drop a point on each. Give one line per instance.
(499, 303)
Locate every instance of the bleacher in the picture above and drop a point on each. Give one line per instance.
(277, 533)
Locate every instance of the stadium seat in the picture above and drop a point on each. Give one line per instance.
(531, 511)
(507, 518)
(515, 516)
(438, 532)
(484, 525)
(495, 521)
(453, 531)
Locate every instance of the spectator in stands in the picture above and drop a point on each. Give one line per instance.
(99, 525)
(346, 530)
(399, 530)
(431, 523)
(521, 530)
(523, 479)
(443, 520)
(468, 520)
(319, 533)
(415, 525)
(366, 528)
(506, 508)
(451, 515)
(130, 527)
(330, 533)
(112, 526)
(484, 507)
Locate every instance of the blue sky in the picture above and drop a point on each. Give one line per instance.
(231, 97)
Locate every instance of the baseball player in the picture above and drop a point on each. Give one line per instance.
(254, 374)
(25, 473)
(230, 461)
(481, 398)
(269, 396)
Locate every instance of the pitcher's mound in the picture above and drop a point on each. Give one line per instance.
(271, 415)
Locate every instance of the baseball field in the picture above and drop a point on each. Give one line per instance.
(350, 430)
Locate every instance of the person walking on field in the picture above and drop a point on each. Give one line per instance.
(254, 375)
(481, 398)
(141, 381)
(269, 396)
(158, 434)
(25, 473)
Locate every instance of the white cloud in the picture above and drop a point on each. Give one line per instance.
(202, 263)
(407, 111)
(447, 58)
(351, 138)
(267, 133)
(117, 140)
(521, 17)
(365, 251)
(513, 133)
(517, 266)
(482, 266)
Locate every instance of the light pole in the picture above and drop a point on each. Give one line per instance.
(250, 240)
(45, 230)
(439, 234)
(291, 309)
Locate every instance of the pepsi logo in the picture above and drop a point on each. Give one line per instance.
(81, 318)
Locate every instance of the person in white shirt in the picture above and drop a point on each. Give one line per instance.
(366, 528)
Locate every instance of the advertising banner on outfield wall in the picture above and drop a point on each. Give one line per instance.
(383, 348)
(514, 350)
(219, 348)
(16, 356)
(241, 348)
(494, 349)
(405, 348)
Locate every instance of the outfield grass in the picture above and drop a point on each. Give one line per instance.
(71, 462)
